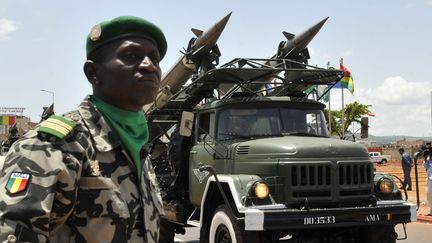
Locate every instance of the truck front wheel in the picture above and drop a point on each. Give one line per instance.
(224, 228)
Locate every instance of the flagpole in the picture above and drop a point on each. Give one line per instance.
(343, 107)
(343, 114)
(329, 113)
(329, 109)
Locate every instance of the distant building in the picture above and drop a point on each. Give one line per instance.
(410, 144)
(368, 142)
(23, 125)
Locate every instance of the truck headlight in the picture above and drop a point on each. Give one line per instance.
(385, 185)
(261, 190)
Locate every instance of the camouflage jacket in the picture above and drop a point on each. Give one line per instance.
(78, 185)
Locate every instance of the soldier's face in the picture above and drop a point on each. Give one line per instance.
(129, 75)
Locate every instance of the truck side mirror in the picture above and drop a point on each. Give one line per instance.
(364, 122)
(186, 123)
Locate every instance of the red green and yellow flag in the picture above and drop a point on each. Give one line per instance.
(347, 81)
(17, 182)
(7, 120)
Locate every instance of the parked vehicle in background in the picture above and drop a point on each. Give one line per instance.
(379, 158)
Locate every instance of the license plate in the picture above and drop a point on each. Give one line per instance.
(319, 220)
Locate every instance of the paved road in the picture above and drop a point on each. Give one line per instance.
(417, 233)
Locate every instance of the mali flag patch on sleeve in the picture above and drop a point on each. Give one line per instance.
(18, 182)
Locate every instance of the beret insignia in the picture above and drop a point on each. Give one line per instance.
(57, 126)
(95, 32)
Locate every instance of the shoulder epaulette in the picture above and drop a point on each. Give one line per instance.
(57, 126)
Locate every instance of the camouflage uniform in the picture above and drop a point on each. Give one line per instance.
(82, 188)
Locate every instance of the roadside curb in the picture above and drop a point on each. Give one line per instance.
(424, 219)
(421, 214)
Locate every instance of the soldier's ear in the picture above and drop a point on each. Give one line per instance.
(90, 70)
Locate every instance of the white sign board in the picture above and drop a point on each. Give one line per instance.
(11, 110)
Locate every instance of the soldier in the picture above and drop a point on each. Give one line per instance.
(407, 163)
(85, 176)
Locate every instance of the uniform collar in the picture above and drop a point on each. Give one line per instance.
(103, 136)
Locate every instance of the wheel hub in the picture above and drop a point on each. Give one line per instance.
(222, 235)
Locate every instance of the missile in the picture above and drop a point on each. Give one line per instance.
(201, 54)
(203, 44)
(295, 47)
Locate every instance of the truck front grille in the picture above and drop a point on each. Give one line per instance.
(354, 179)
(326, 183)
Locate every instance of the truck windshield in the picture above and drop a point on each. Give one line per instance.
(268, 122)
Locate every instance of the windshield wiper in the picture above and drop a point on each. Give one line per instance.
(305, 134)
(232, 136)
(266, 135)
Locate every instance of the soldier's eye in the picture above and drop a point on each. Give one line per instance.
(155, 60)
(131, 57)
(154, 57)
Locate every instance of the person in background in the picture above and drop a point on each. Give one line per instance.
(85, 176)
(407, 163)
(428, 166)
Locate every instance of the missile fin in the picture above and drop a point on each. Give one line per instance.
(197, 32)
(288, 35)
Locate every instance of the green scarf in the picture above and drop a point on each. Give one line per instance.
(131, 127)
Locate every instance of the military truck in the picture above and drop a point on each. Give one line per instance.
(258, 164)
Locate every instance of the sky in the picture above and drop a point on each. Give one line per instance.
(386, 45)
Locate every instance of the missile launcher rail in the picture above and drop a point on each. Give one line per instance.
(244, 76)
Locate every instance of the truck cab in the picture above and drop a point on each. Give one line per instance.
(263, 135)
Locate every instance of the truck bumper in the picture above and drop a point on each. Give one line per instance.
(386, 212)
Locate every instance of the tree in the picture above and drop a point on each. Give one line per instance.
(352, 112)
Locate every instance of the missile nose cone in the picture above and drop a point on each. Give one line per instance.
(296, 43)
(224, 20)
(209, 38)
(220, 26)
(314, 29)
(310, 33)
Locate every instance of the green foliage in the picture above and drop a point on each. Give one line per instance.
(352, 112)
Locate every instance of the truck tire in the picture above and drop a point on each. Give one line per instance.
(166, 231)
(381, 234)
(383, 161)
(224, 228)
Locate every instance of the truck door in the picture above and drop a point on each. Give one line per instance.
(202, 152)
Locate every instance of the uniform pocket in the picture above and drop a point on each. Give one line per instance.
(102, 183)
(100, 197)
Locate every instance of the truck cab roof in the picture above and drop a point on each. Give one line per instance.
(263, 101)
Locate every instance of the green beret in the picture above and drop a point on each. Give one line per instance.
(125, 26)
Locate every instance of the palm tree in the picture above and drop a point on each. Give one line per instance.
(352, 112)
